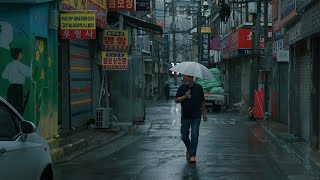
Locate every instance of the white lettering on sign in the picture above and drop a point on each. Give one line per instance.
(283, 56)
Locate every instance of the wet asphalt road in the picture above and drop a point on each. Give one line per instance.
(230, 147)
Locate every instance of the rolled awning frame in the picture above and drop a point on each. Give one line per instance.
(137, 23)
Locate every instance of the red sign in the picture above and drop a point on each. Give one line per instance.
(215, 44)
(121, 5)
(78, 34)
(245, 39)
(101, 14)
(116, 40)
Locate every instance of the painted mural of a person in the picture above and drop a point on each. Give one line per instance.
(16, 73)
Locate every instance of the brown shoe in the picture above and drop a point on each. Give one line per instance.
(193, 160)
(187, 155)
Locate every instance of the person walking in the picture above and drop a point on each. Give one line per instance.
(16, 72)
(191, 96)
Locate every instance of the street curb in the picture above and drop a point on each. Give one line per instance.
(309, 163)
(65, 158)
(60, 152)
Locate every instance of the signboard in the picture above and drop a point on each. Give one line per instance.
(115, 40)
(142, 5)
(205, 30)
(100, 3)
(283, 56)
(287, 9)
(121, 5)
(205, 49)
(245, 39)
(215, 44)
(114, 60)
(98, 6)
(101, 13)
(77, 26)
(74, 4)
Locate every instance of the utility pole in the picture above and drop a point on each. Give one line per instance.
(174, 53)
(199, 19)
(255, 64)
(266, 82)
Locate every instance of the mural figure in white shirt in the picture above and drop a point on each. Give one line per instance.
(16, 72)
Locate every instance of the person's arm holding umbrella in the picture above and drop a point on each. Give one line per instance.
(182, 95)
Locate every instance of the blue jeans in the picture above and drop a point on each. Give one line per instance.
(194, 123)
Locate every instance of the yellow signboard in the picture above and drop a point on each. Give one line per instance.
(116, 40)
(101, 3)
(75, 4)
(79, 21)
(114, 60)
(205, 30)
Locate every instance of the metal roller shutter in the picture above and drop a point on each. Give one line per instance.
(235, 82)
(80, 83)
(305, 101)
(283, 92)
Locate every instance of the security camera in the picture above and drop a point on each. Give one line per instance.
(205, 5)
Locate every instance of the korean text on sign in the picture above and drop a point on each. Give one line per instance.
(116, 40)
(114, 60)
(77, 26)
(121, 5)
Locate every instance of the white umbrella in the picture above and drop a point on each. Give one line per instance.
(193, 69)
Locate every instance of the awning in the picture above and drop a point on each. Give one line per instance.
(134, 22)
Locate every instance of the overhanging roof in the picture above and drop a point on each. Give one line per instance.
(135, 22)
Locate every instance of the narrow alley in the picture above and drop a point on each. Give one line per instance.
(230, 147)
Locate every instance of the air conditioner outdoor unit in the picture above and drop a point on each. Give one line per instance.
(103, 117)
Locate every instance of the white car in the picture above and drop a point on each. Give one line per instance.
(23, 153)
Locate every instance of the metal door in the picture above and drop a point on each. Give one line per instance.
(80, 83)
(283, 92)
(305, 101)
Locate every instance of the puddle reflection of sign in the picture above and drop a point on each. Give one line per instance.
(77, 26)
(115, 40)
(114, 60)
(121, 5)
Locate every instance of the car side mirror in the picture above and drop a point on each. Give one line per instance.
(27, 127)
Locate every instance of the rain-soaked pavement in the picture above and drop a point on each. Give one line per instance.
(230, 147)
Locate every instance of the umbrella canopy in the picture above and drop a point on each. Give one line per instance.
(193, 69)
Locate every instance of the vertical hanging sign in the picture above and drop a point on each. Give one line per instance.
(205, 48)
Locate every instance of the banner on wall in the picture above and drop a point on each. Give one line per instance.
(121, 5)
(114, 60)
(77, 26)
(115, 40)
